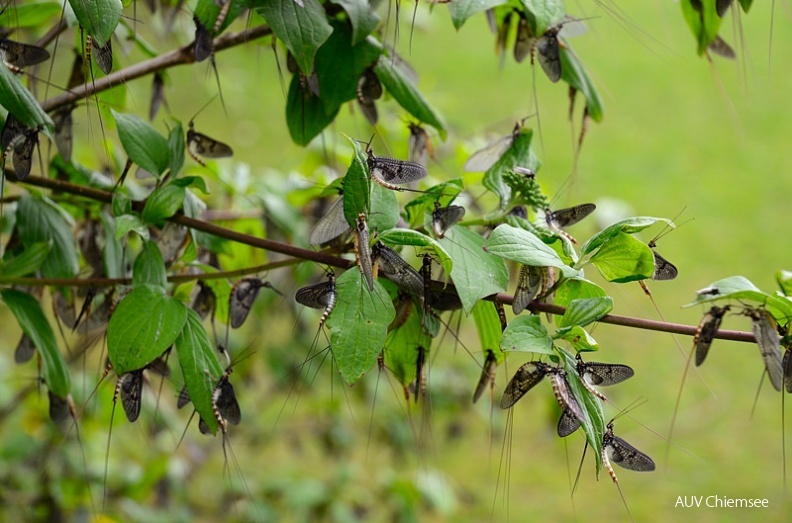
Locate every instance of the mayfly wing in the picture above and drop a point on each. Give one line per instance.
(523, 380)
(664, 269)
(419, 144)
(203, 145)
(62, 118)
(204, 45)
(362, 250)
(58, 408)
(157, 95)
(103, 56)
(548, 53)
(786, 365)
(23, 154)
(721, 6)
(567, 424)
(764, 328)
(623, 454)
(569, 216)
(528, 284)
(184, 398)
(390, 172)
(320, 296)
(443, 218)
(13, 129)
(397, 270)
(418, 387)
(721, 48)
(205, 301)
(330, 226)
(243, 294)
(603, 374)
(487, 375)
(25, 350)
(483, 159)
(225, 401)
(22, 55)
(369, 90)
(706, 331)
(525, 39)
(131, 392)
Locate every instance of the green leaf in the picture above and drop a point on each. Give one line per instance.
(476, 273)
(461, 10)
(191, 181)
(543, 14)
(131, 222)
(594, 423)
(113, 253)
(28, 313)
(703, 20)
(26, 262)
(302, 29)
(623, 259)
(407, 95)
(199, 365)
(401, 346)
(176, 147)
(16, 98)
(357, 193)
(149, 268)
(42, 222)
(163, 203)
(306, 115)
(526, 334)
(29, 14)
(518, 154)
(121, 204)
(489, 328)
(740, 288)
(359, 324)
(746, 5)
(576, 288)
(142, 143)
(784, 280)
(144, 324)
(208, 10)
(522, 246)
(417, 239)
(573, 73)
(583, 312)
(579, 338)
(629, 226)
(387, 208)
(99, 18)
(362, 17)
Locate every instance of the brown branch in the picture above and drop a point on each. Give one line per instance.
(176, 57)
(342, 263)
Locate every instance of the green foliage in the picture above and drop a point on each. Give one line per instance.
(142, 143)
(17, 100)
(99, 18)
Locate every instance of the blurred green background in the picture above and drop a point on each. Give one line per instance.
(678, 133)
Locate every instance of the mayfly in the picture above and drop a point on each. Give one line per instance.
(199, 144)
(763, 326)
(418, 387)
(419, 144)
(243, 294)
(130, 390)
(25, 350)
(224, 405)
(664, 269)
(390, 172)
(618, 451)
(203, 47)
(369, 90)
(362, 250)
(62, 118)
(558, 220)
(532, 373)
(719, 47)
(593, 373)
(483, 159)
(157, 95)
(22, 55)
(487, 375)
(528, 284)
(706, 331)
(23, 153)
(525, 39)
(205, 300)
(548, 46)
(443, 218)
(320, 296)
(397, 270)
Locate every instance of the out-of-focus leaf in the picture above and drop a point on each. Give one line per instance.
(489, 328)
(27, 262)
(362, 17)
(163, 203)
(461, 10)
(41, 222)
(573, 73)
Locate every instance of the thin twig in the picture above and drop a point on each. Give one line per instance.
(331, 260)
(176, 57)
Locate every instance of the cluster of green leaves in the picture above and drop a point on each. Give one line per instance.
(704, 17)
